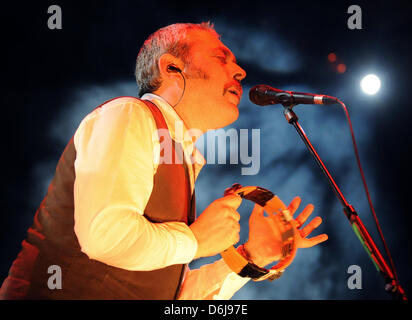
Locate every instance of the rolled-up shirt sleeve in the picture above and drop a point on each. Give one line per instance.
(213, 281)
(115, 149)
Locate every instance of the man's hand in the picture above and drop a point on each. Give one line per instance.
(264, 244)
(217, 228)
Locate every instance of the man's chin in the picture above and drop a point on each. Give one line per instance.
(229, 117)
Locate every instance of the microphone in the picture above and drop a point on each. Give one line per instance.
(263, 95)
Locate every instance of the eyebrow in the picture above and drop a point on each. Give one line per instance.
(227, 53)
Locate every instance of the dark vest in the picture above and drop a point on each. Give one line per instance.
(51, 239)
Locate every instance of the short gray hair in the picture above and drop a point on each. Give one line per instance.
(170, 39)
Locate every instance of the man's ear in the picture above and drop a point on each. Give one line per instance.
(169, 66)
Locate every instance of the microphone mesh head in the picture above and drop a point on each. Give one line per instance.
(257, 95)
(263, 95)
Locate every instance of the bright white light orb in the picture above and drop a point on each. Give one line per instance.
(370, 84)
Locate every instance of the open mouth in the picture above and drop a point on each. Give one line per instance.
(235, 92)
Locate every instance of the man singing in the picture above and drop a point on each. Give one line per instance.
(118, 220)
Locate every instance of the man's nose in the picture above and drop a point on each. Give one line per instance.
(239, 73)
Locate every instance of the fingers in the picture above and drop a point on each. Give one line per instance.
(294, 205)
(230, 213)
(236, 215)
(235, 227)
(257, 211)
(304, 215)
(232, 200)
(304, 232)
(227, 205)
(307, 243)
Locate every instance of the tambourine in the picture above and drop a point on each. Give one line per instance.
(283, 224)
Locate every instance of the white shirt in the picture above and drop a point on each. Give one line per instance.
(117, 156)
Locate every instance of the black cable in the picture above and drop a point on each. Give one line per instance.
(367, 193)
(184, 87)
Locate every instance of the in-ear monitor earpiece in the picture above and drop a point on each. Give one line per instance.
(173, 68)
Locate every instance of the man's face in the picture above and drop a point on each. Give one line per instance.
(213, 87)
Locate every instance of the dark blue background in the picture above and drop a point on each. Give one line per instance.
(53, 78)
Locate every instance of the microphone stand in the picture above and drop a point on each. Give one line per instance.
(358, 227)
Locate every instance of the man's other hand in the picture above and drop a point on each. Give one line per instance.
(264, 244)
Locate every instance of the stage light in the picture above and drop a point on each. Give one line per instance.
(332, 57)
(370, 84)
(341, 68)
